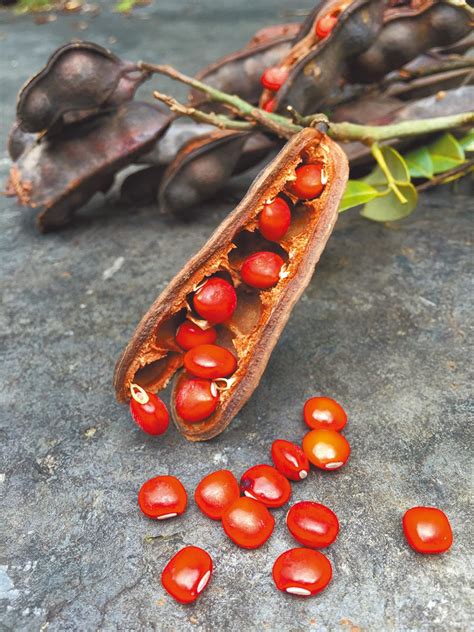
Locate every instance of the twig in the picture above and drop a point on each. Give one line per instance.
(404, 76)
(448, 176)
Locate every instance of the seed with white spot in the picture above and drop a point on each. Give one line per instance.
(303, 474)
(203, 583)
(333, 466)
(296, 590)
(164, 516)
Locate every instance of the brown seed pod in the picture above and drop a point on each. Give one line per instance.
(201, 168)
(78, 80)
(274, 32)
(409, 31)
(152, 356)
(61, 173)
(315, 65)
(19, 141)
(141, 186)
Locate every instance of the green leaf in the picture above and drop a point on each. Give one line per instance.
(357, 192)
(446, 153)
(419, 163)
(467, 142)
(388, 208)
(396, 165)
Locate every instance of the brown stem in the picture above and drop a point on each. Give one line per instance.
(448, 176)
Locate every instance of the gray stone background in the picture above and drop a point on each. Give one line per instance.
(383, 327)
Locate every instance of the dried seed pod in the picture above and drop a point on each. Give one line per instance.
(315, 64)
(61, 173)
(240, 72)
(141, 186)
(152, 356)
(78, 80)
(19, 141)
(199, 170)
(409, 31)
(273, 32)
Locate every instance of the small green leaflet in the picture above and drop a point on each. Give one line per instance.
(467, 142)
(446, 153)
(396, 165)
(419, 163)
(388, 208)
(357, 192)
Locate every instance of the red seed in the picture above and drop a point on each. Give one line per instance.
(148, 411)
(187, 574)
(269, 105)
(162, 497)
(273, 78)
(290, 460)
(275, 219)
(262, 270)
(326, 449)
(324, 412)
(189, 335)
(210, 361)
(248, 523)
(312, 524)
(325, 25)
(309, 181)
(302, 572)
(427, 530)
(265, 484)
(196, 399)
(216, 493)
(215, 300)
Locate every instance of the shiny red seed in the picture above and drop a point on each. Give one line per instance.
(427, 530)
(210, 361)
(248, 523)
(187, 574)
(302, 572)
(215, 300)
(274, 220)
(162, 497)
(290, 460)
(216, 493)
(189, 335)
(326, 449)
(148, 411)
(273, 78)
(324, 412)
(325, 25)
(309, 181)
(265, 484)
(269, 105)
(262, 270)
(312, 524)
(196, 399)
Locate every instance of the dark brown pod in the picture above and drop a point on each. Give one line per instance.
(409, 31)
(152, 356)
(141, 186)
(201, 168)
(316, 65)
(78, 80)
(19, 141)
(240, 72)
(274, 32)
(60, 174)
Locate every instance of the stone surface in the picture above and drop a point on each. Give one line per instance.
(383, 327)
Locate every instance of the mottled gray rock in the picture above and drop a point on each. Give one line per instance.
(383, 327)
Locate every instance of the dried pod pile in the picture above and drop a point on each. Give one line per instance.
(254, 324)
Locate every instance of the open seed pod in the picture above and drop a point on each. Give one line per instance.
(317, 61)
(60, 174)
(141, 186)
(78, 80)
(273, 32)
(201, 168)
(407, 32)
(153, 356)
(19, 141)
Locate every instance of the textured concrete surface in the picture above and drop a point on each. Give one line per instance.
(383, 327)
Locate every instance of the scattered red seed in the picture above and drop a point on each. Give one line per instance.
(274, 220)
(189, 335)
(148, 411)
(215, 300)
(262, 270)
(325, 25)
(309, 181)
(162, 497)
(248, 523)
(302, 572)
(274, 77)
(265, 484)
(290, 460)
(187, 574)
(312, 524)
(196, 399)
(216, 493)
(324, 413)
(210, 361)
(427, 530)
(326, 449)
